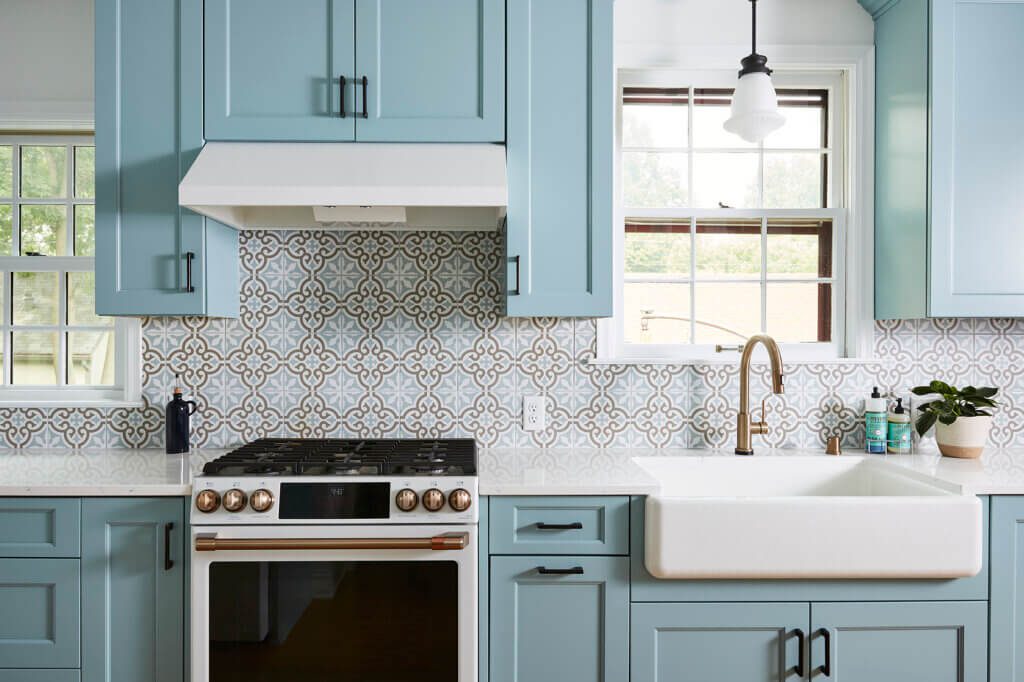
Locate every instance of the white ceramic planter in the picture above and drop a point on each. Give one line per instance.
(964, 438)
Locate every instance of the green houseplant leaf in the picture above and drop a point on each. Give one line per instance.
(952, 403)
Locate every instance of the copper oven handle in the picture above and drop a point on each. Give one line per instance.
(210, 543)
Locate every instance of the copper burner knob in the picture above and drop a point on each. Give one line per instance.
(406, 499)
(234, 500)
(460, 499)
(207, 501)
(262, 500)
(433, 500)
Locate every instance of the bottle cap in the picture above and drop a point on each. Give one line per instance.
(177, 389)
(899, 409)
(875, 393)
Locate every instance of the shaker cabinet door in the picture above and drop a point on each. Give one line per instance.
(560, 136)
(435, 71)
(274, 70)
(133, 586)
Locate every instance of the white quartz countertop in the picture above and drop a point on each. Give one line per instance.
(515, 471)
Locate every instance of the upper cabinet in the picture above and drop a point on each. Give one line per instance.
(152, 256)
(948, 159)
(355, 70)
(560, 136)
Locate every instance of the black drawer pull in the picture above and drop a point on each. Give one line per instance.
(189, 257)
(514, 291)
(801, 643)
(575, 525)
(826, 668)
(365, 112)
(168, 562)
(341, 100)
(575, 570)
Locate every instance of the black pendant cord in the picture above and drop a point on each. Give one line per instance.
(754, 62)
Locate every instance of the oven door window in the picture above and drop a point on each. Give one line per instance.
(334, 621)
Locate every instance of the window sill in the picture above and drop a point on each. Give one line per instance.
(103, 404)
(699, 362)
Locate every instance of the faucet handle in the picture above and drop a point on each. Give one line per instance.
(760, 426)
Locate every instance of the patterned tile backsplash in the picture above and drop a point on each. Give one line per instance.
(390, 334)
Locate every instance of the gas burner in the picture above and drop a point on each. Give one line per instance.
(347, 457)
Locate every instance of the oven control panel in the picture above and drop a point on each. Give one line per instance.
(322, 500)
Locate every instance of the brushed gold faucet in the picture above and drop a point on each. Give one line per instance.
(745, 426)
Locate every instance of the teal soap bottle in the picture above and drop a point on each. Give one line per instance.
(899, 430)
(875, 423)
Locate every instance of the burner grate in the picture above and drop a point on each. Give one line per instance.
(347, 457)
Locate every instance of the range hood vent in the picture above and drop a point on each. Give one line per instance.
(306, 185)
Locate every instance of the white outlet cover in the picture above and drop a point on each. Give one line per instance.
(535, 413)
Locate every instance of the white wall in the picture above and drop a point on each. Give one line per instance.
(651, 30)
(46, 63)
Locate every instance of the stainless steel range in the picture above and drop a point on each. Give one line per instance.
(336, 559)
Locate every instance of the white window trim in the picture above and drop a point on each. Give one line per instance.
(857, 66)
(127, 388)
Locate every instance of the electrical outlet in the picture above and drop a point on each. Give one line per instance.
(535, 413)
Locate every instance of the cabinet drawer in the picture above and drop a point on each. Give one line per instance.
(559, 525)
(46, 598)
(25, 675)
(40, 527)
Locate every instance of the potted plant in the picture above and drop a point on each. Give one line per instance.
(963, 416)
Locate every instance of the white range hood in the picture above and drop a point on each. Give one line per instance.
(303, 185)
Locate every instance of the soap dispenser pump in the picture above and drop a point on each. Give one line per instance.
(178, 413)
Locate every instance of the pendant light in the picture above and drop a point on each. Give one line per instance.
(755, 106)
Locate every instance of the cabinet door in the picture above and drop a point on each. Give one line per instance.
(40, 604)
(570, 627)
(273, 70)
(976, 240)
(560, 104)
(1006, 647)
(722, 642)
(148, 131)
(900, 641)
(133, 563)
(435, 71)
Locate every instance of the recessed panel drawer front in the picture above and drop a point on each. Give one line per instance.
(28, 675)
(560, 525)
(41, 603)
(40, 527)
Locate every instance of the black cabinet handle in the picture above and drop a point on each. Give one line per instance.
(801, 644)
(826, 668)
(189, 257)
(341, 99)
(168, 562)
(575, 525)
(514, 291)
(575, 570)
(365, 113)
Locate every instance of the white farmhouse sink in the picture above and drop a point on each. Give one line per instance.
(806, 517)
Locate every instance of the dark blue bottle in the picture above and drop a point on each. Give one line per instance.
(178, 412)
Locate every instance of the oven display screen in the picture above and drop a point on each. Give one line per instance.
(335, 501)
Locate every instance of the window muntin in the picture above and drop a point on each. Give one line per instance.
(53, 346)
(723, 238)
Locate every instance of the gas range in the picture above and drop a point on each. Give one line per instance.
(339, 481)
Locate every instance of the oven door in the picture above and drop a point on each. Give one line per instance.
(334, 603)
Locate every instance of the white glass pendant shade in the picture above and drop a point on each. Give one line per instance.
(755, 108)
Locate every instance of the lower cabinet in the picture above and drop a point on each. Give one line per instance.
(559, 618)
(849, 641)
(39, 615)
(133, 568)
(900, 641)
(1006, 627)
(721, 642)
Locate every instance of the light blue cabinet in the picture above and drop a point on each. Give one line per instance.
(947, 156)
(720, 641)
(560, 135)
(434, 72)
(1006, 628)
(560, 525)
(133, 563)
(559, 618)
(152, 256)
(900, 641)
(40, 622)
(273, 69)
(40, 527)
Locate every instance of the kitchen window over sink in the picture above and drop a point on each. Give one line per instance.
(718, 238)
(54, 349)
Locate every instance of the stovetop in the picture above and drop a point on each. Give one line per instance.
(348, 457)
